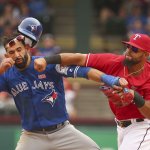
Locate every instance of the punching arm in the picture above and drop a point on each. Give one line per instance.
(91, 74)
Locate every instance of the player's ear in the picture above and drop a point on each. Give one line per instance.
(27, 47)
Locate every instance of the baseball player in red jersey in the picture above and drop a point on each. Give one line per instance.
(132, 115)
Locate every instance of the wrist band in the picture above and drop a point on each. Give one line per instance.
(138, 100)
(55, 59)
(110, 80)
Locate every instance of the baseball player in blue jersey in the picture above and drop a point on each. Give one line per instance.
(39, 96)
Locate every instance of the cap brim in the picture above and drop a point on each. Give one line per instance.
(133, 44)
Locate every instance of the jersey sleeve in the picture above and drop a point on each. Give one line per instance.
(103, 62)
(72, 71)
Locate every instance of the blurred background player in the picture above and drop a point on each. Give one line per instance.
(71, 92)
(48, 45)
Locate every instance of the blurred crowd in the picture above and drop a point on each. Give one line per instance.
(123, 17)
(13, 11)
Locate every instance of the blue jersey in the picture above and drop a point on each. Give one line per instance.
(39, 96)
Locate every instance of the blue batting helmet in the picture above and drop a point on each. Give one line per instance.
(31, 28)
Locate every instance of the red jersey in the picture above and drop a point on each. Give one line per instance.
(113, 65)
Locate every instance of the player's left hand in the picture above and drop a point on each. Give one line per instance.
(119, 96)
(40, 64)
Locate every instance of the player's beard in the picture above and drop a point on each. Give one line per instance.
(24, 62)
(129, 63)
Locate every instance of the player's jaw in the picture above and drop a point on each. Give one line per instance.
(130, 60)
(21, 62)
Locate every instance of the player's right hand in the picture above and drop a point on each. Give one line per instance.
(123, 82)
(6, 64)
(40, 64)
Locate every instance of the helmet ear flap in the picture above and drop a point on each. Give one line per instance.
(29, 42)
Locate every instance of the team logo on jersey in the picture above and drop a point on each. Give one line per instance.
(33, 27)
(50, 98)
(41, 76)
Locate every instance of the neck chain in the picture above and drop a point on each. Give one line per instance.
(132, 72)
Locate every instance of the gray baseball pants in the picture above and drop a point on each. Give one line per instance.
(67, 138)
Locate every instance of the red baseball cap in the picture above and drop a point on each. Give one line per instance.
(141, 41)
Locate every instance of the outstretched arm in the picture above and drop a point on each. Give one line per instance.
(65, 59)
(91, 74)
(109, 80)
(73, 59)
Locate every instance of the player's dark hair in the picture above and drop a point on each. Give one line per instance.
(7, 39)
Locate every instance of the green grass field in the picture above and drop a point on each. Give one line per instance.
(104, 136)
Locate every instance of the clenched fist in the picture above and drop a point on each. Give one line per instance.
(40, 64)
(6, 64)
(123, 82)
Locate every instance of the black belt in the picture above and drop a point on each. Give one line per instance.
(126, 123)
(50, 128)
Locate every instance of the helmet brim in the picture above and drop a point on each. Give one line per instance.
(26, 33)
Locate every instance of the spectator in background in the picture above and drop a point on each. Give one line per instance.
(136, 16)
(136, 27)
(7, 104)
(24, 11)
(71, 91)
(111, 23)
(44, 12)
(9, 17)
(48, 45)
(148, 22)
(105, 14)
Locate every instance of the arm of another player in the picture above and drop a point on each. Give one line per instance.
(65, 59)
(109, 80)
(91, 74)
